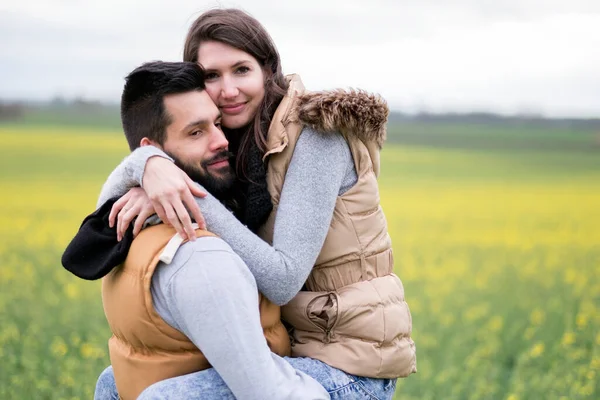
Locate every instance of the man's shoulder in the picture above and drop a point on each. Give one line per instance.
(192, 252)
(207, 244)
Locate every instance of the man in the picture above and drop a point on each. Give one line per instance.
(164, 303)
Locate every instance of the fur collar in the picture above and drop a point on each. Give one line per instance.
(352, 111)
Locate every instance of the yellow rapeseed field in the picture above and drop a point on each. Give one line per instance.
(499, 256)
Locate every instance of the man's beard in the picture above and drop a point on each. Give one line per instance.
(220, 187)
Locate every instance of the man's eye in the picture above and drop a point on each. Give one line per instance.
(196, 133)
(218, 124)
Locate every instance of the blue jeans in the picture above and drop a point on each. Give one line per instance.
(207, 384)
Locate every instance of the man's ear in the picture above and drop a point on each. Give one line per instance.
(149, 142)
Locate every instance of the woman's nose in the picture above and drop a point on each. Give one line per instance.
(229, 88)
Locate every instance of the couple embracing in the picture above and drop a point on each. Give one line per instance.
(272, 275)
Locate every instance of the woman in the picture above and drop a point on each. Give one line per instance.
(330, 238)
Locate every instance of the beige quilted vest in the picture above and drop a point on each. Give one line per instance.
(353, 315)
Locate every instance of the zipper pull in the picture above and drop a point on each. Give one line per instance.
(328, 335)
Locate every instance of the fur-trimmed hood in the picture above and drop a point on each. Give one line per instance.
(351, 112)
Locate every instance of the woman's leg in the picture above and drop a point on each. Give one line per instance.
(106, 389)
(204, 385)
(208, 385)
(343, 386)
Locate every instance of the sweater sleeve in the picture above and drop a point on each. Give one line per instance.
(129, 173)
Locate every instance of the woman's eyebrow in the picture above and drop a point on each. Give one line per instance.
(237, 64)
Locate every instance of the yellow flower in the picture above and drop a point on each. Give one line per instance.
(537, 317)
(581, 321)
(495, 324)
(587, 390)
(578, 354)
(75, 340)
(72, 290)
(59, 347)
(568, 339)
(571, 275)
(88, 350)
(67, 380)
(537, 350)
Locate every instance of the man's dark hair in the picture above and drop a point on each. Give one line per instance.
(143, 112)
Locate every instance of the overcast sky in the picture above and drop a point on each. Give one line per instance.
(441, 55)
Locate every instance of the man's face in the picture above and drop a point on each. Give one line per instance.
(195, 141)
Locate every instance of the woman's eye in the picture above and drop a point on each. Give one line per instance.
(210, 76)
(242, 70)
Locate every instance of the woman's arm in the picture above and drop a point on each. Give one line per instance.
(129, 173)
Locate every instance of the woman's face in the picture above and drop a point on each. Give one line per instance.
(234, 81)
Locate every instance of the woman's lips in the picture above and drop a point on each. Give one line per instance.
(233, 109)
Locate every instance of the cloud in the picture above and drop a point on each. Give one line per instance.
(451, 55)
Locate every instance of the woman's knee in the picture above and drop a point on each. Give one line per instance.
(106, 388)
(202, 385)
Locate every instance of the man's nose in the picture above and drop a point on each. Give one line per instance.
(218, 140)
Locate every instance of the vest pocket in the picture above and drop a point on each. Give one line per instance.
(314, 312)
(323, 311)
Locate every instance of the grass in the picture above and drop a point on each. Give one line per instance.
(497, 247)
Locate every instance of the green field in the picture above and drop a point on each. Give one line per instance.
(495, 234)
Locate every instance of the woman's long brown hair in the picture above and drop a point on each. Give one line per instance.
(238, 29)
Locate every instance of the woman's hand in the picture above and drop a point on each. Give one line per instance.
(170, 191)
(134, 204)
